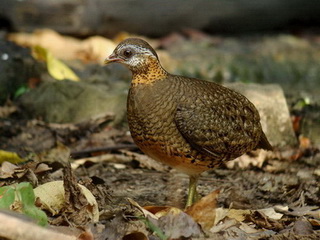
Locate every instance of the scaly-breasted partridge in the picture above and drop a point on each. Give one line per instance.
(190, 124)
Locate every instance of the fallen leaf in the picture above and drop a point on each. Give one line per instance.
(135, 236)
(314, 222)
(160, 211)
(11, 157)
(255, 158)
(65, 47)
(42, 167)
(221, 214)
(5, 111)
(203, 211)
(247, 228)
(271, 213)
(263, 221)
(222, 226)
(119, 226)
(52, 198)
(313, 211)
(7, 170)
(238, 214)
(168, 222)
(145, 212)
(56, 68)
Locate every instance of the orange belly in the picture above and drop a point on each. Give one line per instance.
(173, 157)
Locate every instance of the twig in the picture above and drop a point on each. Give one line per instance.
(12, 227)
(75, 154)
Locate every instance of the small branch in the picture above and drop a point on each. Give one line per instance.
(75, 154)
(16, 228)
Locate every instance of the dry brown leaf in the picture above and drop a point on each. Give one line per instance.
(52, 198)
(221, 213)
(238, 214)
(7, 170)
(203, 211)
(42, 167)
(160, 211)
(172, 221)
(222, 226)
(135, 236)
(315, 222)
(313, 211)
(271, 213)
(28, 170)
(5, 111)
(256, 159)
(64, 47)
(145, 212)
(263, 221)
(119, 227)
(247, 228)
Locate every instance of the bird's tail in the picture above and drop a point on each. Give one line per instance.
(264, 143)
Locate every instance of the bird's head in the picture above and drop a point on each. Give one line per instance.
(135, 53)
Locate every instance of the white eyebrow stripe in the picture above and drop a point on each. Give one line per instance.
(137, 48)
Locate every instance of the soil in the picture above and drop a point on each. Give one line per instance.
(294, 184)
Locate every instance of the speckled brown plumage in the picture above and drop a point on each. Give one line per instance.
(191, 124)
(187, 123)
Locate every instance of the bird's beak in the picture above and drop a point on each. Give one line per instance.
(112, 58)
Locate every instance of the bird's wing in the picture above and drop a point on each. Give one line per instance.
(221, 129)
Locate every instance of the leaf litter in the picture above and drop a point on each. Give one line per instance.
(222, 213)
(258, 196)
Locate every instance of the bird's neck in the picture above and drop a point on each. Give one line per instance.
(150, 72)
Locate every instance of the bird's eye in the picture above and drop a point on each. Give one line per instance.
(127, 53)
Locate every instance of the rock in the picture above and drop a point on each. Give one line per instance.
(272, 106)
(287, 60)
(73, 102)
(16, 67)
(157, 17)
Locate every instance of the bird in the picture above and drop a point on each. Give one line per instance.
(190, 124)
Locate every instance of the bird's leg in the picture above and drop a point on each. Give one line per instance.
(192, 193)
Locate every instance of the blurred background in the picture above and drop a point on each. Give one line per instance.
(229, 42)
(158, 18)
